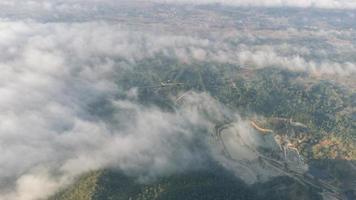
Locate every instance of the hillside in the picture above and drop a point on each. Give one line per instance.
(325, 108)
(194, 185)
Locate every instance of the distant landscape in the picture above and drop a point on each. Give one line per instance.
(165, 100)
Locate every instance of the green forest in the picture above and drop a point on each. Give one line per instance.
(327, 108)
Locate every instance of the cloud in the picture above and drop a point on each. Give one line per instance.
(61, 5)
(262, 59)
(339, 4)
(52, 74)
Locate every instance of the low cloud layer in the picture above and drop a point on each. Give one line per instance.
(50, 76)
(338, 4)
(53, 75)
(77, 4)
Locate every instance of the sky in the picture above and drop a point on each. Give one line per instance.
(336, 4)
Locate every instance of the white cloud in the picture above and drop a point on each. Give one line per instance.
(339, 4)
(269, 58)
(47, 84)
(52, 72)
(78, 4)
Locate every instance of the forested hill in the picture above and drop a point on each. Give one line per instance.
(326, 107)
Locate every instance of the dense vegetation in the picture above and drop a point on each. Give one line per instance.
(328, 109)
(212, 184)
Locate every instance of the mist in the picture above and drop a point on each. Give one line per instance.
(55, 72)
(52, 76)
(65, 4)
